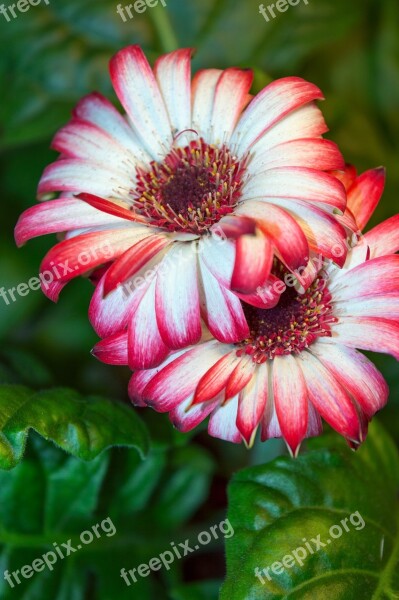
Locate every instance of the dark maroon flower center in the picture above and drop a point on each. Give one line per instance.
(187, 188)
(193, 188)
(291, 326)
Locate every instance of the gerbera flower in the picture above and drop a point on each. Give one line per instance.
(190, 166)
(300, 360)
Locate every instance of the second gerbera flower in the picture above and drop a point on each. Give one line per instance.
(300, 361)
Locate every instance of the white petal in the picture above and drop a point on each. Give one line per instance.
(138, 91)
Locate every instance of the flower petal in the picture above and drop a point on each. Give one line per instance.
(99, 111)
(309, 153)
(110, 314)
(329, 398)
(203, 94)
(112, 208)
(222, 423)
(271, 105)
(373, 277)
(368, 333)
(305, 122)
(146, 347)
(139, 94)
(233, 226)
(285, 233)
(254, 259)
(79, 139)
(80, 254)
(324, 234)
(177, 297)
(347, 176)
(219, 255)
(215, 380)
(251, 404)
(384, 238)
(186, 416)
(140, 379)
(270, 425)
(267, 295)
(359, 253)
(383, 305)
(240, 377)
(62, 214)
(178, 380)
(291, 400)
(221, 309)
(77, 175)
(173, 74)
(365, 194)
(113, 350)
(297, 183)
(134, 259)
(356, 373)
(231, 95)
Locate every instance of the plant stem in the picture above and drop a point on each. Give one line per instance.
(163, 28)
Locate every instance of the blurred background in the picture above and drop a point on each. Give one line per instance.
(52, 55)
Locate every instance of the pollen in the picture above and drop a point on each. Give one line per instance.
(291, 326)
(192, 189)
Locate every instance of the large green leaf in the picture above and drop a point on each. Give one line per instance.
(48, 499)
(81, 426)
(51, 497)
(284, 505)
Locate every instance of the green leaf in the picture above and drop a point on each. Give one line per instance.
(185, 488)
(48, 499)
(54, 507)
(81, 426)
(135, 482)
(51, 497)
(69, 44)
(284, 505)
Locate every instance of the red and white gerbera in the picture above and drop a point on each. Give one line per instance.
(192, 164)
(299, 361)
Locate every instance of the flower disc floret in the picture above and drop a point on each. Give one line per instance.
(191, 189)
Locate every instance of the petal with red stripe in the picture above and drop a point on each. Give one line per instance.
(270, 106)
(253, 262)
(139, 94)
(290, 400)
(329, 398)
(252, 403)
(177, 297)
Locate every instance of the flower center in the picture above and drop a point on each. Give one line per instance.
(291, 326)
(193, 188)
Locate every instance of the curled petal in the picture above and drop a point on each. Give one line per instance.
(365, 194)
(254, 258)
(113, 350)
